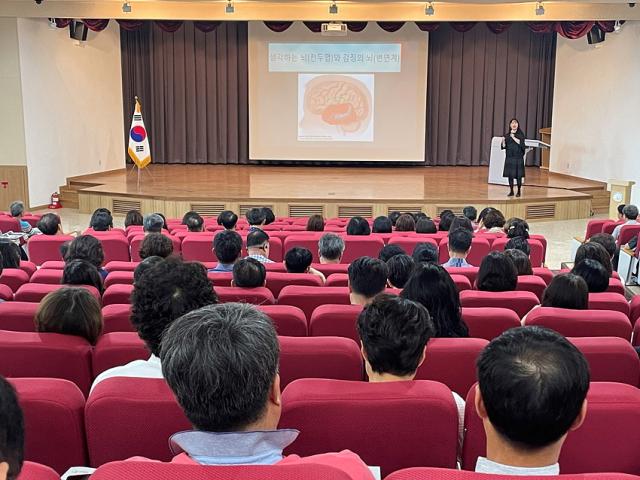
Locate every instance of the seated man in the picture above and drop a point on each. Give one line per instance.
(298, 260)
(152, 223)
(257, 218)
(228, 220)
(471, 213)
(330, 248)
(630, 217)
(389, 251)
(11, 432)
(532, 386)
(163, 292)
(425, 252)
(222, 364)
(367, 278)
(50, 224)
(249, 273)
(258, 246)
(227, 245)
(101, 220)
(459, 247)
(193, 221)
(400, 268)
(17, 211)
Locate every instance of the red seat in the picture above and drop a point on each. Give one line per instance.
(46, 247)
(14, 278)
(519, 302)
(338, 280)
(531, 283)
(53, 265)
(18, 316)
(611, 359)
(607, 440)
(609, 301)
(121, 266)
(136, 242)
(199, 247)
(34, 292)
(115, 246)
(616, 286)
(489, 322)
(28, 267)
(220, 279)
(420, 425)
(6, 293)
(54, 422)
(447, 474)
(582, 323)
(127, 417)
(544, 273)
(118, 278)
(593, 227)
(256, 296)
(308, 298)
(47, 355)
(306, 240)
(610, 225)
(319, 357)
(470, 272)
(462, 282)
(117, 318)
(356, 246)
(117, 348)
(636, 335)
(409, 243)
(627, 232)
(479, 249)
(452, 361)
(289, 321)
(328, 269)
(335, 321)
(36, 471)
(117, 293)
(634, 309)
(9, 224)
(53, 277)
(537, 251)
(276, 281)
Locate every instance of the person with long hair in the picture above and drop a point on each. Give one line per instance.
(513, 143)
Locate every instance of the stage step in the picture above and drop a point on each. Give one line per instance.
(69, 197)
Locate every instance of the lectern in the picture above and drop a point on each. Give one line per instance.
(496, 160)
(620, 194)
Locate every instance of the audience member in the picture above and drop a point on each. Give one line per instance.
(493, 221)
(459, 244)
(367, 278)
(630, 216)
(227, 219)
(405, 223)
(426, 225)
(101, 220)
(16, 209)
(227, 246)
(461, 222)
(390, 250)
(153, 223)
(222, 364)
(50, 224)
(497, 273)
(393, 216)
(164, 292)
(269, 216)
(193, 221)
(471, 213)
(64, 248)
(516, 227)
(566, 291)
(145, 265)
(519, 243)
(298, 260)
(133, 217)
(70, 311)
(11, 432)
(481, 215)
(330, 248)
(315, 223)
(81, 272)
(520, 260)
(86, 247)
(593, 273)
(432, 286)
(607, 241)
(532, 388)
(256, 217)
(258, 245)
(399, 268)
(358, 226)
(446, 219)
(620, 209)
(594, 251)
(382, 224)
(156, 245)
(10, 254)
(164, 220)
(249, 273)
(425, 252)
(420, 216)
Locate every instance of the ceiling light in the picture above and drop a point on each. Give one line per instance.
(229, 8)
(539, 8)
(429, 10)
(333, 8)
(126, 7)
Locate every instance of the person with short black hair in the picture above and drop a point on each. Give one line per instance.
(256, 217)
(566, 291)
(193, 221)
(420, 215)
(461, 222)
(620, 209)
(425, 252)
(101, 220)
(11, 432)
(227, 246)
(481, 215)
(249, 273)
(153, 223)
(493, 221)
(298, 260)
(133, 217)
(520, 260)
(87, 247)
(162, 294)
(531, 391)
(630, 216)
(227, 219)
(400, 268)
(221, 362)
(594, 251)
(607, 241)
(367, 278)
(81, 272)
(426, 225)
(258, 245)
(519, 243)
(49, 224)
(393, 216)
(10, 254)
(358, 226)
(405, 223)
(330, 248)
(156, 245)
(593, 273)
(497, 273)
(516, 227)
(315, 223)
(470, 212)
(382, 224)
(144, 265)
(446, 219)
(459, 244)
(269, 216)
(390, 250)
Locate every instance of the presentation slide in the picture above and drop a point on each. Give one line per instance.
(361, 97)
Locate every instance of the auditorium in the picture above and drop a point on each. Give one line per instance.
(319, 239)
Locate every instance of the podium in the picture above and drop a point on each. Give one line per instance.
(497, 158)
(620, 194)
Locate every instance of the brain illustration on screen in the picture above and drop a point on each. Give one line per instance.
(338, 104)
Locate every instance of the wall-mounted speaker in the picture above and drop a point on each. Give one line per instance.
(78, 31)
(595, 35)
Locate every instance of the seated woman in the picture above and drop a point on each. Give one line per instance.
(81, 272)
(10, 254)
(405, 223)
(432, 286)
(567, 291)
(521, 260)
(382, 224)
(156, 245)
(134, 217)
(358, 226)
(88, 248)
(593, 273)
(315, 223)
(516, 227)
(70, 311)
(493, 222)
(497, 273)
(596, 252)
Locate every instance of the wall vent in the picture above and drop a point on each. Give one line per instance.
(540, 211)
(122, 206)
(208, 209)
(404, 208)
(346, 211)
(305, 210)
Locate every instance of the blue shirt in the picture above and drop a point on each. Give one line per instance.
(222, 267)
(457, 262)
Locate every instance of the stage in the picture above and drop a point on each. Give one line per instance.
(333, 191)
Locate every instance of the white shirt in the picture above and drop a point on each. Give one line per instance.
(616, 231)
(484, 465)
(138, 368)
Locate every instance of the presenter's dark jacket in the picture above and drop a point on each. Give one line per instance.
(514, 159)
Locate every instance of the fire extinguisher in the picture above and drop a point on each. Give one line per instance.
(55, 201)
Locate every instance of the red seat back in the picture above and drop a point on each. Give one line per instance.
(531, 283)
(328, 269)
(220, 279)
(356, 246)
(54, 422)
(34, 292)
(479, 249)
(308, 298)
(256, 296)
(409, 243)
(462, 282)
(121, 266)
(616, 286)
(447, 474)
(9, 224)
(53, 277)
(115, 278)
(117, 318)
(28, 267)
(52, 265)
(36, 471)
(609, 301)
(18, 316)
(305, 240)
(46, 247)
(289, 321)
(582, 323)
(593, 227)
(489, 322)
(519, 302)
(335, 321)
(634, 309)
(627, 232)
(470, 272)
(537, 251)
(610, 225)
(6, 293)
(419, 428)
(13, 278)
(338, 280)
(198, 247)
(276, 281)
(115, 246)
(544, 273)
(611, 359)
(116, 349)
(117, 293)
(127, 417)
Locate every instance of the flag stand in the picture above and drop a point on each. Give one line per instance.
(139, 143)
(135, 167)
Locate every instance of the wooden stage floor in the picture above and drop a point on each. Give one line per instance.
(376, 189)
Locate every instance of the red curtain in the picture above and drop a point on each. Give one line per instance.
(498, 27)
(96, 25)
(573, 30)
(390, 26)
(278, 27)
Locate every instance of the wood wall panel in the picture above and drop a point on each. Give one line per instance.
(17, 186)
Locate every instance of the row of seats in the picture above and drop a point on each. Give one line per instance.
(392, 425)
(11, 224)
(627, 232)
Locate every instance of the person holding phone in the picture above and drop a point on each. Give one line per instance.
(513, 143)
